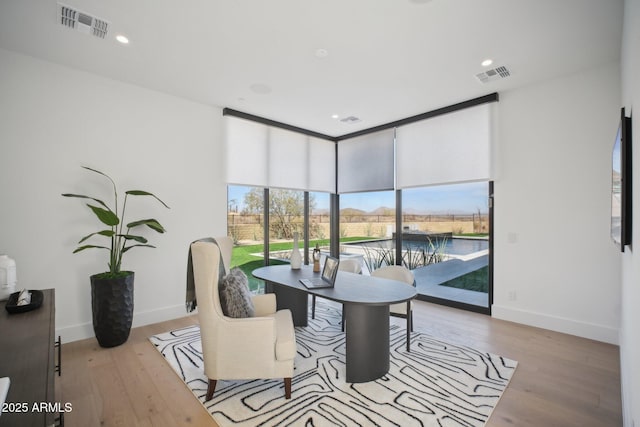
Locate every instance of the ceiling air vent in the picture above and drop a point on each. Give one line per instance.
(493, 74)
(83, 22)
(350, 120)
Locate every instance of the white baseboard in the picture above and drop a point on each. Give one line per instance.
(558, 324)
(85, 330)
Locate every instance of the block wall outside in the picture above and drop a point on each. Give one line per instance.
(380, 227)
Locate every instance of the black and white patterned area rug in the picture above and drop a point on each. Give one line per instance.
(436, 384)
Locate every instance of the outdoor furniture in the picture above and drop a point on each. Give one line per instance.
(263, 346)
(402, 274)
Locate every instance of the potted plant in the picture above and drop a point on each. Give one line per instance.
(112, 291)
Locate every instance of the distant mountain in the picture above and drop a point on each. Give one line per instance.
(439, 212)
(383, 210)
(352, 212)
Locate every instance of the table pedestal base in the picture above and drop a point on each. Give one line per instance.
(294, 299)
(367, 336)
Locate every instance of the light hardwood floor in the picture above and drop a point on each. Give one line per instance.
(561, 380)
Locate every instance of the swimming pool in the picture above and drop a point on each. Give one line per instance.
(453, 246)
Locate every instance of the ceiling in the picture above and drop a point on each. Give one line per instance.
(385, 59)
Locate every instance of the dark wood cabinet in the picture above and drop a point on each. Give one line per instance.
(27, 357)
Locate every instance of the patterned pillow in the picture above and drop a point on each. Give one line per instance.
(235, 297)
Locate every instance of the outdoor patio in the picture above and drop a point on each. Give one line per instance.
(429, 278)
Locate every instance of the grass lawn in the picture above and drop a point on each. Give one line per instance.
(475, 281)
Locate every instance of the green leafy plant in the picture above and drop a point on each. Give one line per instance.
(121, 240)
(376, 257)
(429, 253)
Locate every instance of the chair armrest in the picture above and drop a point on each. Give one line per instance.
(240, 348)
(247, 337)
(253, 337)
(264, 304)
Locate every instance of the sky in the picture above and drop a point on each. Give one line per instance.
(453, 198)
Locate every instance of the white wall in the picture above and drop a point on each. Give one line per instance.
(53, 120)
(630, 317)
(555, 264)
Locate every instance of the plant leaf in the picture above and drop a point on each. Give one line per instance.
(105, 215)
(101, 173)
(107, 233)
(80, 196)
(146, 193)
(151, 223)
(134, 246)
(132, 237)
(82, 248)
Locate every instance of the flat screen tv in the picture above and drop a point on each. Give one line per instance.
(621, 184)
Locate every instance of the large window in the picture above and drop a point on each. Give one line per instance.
(444, 238)
(245, 224)
(367, 227)
(448, 225)
(286, 216)
(319, 222)
(413, 161)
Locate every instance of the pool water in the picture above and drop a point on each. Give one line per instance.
(454, 246)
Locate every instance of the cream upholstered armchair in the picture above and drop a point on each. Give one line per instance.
(401, 274)
(263, 346)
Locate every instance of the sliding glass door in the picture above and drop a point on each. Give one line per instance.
(444, 239)
(445, 236)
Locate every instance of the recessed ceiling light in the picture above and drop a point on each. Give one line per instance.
(487, 62)
(122, 39)
(335, 116)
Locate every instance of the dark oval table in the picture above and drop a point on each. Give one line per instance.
(366, 300)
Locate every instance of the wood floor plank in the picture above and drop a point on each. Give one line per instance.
(561, 380)
(181, 406)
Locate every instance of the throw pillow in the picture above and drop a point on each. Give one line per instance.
(235, 297)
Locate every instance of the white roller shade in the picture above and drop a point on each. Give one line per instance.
(266, 156)
(365, 163)
(247, 145)
(322, 165)
(287, 161)
(454, 147)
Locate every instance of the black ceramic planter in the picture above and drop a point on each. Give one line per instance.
(112, 306)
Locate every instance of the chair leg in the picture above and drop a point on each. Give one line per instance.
(210, 389)
(411, 320)
(287, 388)
(344, 319)
(409, 326)
(313, 306)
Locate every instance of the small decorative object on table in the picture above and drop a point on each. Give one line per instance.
(23, 301)
(316, 259)
(296, 257)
